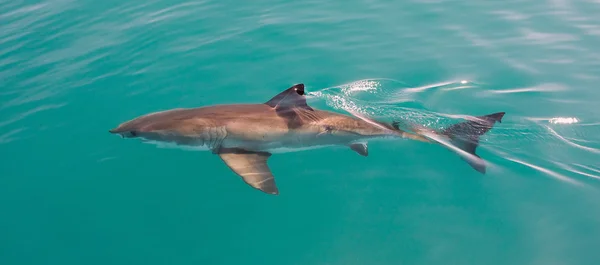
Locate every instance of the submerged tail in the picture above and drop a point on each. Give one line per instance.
(462, 138)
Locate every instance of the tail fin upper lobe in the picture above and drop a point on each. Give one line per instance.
(465, 137)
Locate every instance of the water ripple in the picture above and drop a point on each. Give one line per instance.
(388, 98)
(589, 149)
(546, 171)
(70, 69)
(29, 113)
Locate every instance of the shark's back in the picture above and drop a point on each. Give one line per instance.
(215, 116)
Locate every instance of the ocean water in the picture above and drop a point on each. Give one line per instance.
(71, 193)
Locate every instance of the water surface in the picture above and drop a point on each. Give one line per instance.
(71, 193)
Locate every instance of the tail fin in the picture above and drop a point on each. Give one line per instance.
(463, 137)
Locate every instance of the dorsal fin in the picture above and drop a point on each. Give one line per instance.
(292, 97)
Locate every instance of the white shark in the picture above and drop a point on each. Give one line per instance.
(245, 135)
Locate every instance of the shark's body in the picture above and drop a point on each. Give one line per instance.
(245, 135)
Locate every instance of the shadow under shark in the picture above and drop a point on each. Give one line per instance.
(245, 135)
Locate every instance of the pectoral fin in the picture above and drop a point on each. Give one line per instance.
(360, 148)
(252, 167)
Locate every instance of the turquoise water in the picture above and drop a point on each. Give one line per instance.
(71, 193)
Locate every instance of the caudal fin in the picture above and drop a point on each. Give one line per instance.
(463, 137)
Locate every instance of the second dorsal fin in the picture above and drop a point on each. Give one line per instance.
(292, 97)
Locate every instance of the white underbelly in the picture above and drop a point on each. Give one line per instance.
(278, 150)
(274, 150)
(281, 145)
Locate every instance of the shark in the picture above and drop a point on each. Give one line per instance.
(245, 136)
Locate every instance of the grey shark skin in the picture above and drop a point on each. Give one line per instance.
(245, 135)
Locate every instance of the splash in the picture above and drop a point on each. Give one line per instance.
(387, 99)
(561, 120)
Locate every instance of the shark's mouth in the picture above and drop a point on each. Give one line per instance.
(127, 134)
